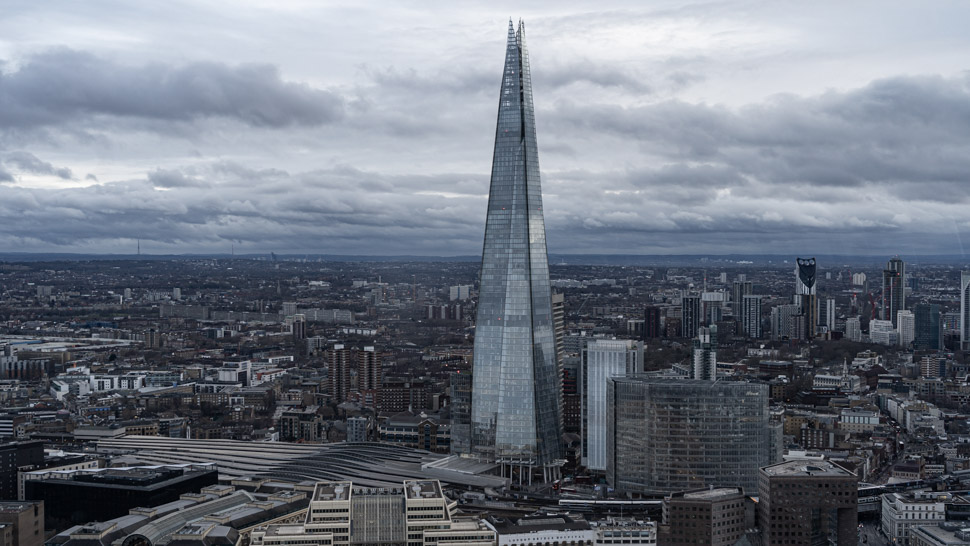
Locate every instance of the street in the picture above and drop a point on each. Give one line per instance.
(869, 534)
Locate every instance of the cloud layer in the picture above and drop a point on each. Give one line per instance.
(655, 135)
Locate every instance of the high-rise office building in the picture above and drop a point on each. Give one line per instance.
(782, 317)
(712, 307)
(739, 290)
(515, 418)
(299, 329)
(704, 354)
(826, 315)
(461, 407)
(651, 323)
(339, 360)
(806, 296)
(368, 369)
(853, 329)
(808, 502)
(905, 328)
(965, 310)
(690, 308)
(602, 359)
(751, 306)
(893, 294)
(668, 435)
(928, 334)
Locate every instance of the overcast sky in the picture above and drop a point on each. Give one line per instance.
(366, 127)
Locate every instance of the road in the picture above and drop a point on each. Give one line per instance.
(870, 536)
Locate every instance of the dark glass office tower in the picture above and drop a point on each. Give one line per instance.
(515, 416)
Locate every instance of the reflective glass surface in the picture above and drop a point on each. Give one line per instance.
(515, 412)
(667, 435)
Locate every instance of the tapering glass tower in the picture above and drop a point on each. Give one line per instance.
(515, 416)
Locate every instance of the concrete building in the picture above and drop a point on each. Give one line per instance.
(942, 534)
(712, 516)
(853, 329)
(690, 309)
(751, 316)
(340, 514)
(808, 502)
(26, 523)
(905, 328)
(883, 332)
(565, 530)
(704, 354)
(901, 512)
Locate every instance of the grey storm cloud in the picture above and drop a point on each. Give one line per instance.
(651, 138)
(57, 86)
(30, 163)
(893, 133)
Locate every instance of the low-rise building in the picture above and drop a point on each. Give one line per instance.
(903, 511)
(713, 516)
(416, 514)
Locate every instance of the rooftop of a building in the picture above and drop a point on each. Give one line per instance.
(709, 494)
(944, 534)
(813, 468)
(534, 524)
(16, 507)
(423, 489)
(366, 464)
(208, 520)
(332, 491)
(150, 477)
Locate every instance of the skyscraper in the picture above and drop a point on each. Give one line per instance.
(339, 360)
(905, 327)
(740, 289)
(690, 315)
(704, 354)
(602, 359)
(928, 334)
(651, 323)
(515, 417)
(806, 296)
(751, 311)
(893, 296)
(964, 310)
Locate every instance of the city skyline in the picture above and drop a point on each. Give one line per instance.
(679, 128)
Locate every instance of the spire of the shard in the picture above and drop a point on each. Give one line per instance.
(515, 416)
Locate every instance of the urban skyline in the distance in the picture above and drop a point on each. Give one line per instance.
(680, 129)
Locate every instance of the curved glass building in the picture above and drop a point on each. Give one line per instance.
(515, 413)
(667, 435)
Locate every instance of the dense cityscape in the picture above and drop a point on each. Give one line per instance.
(266, 375)
(516, 398)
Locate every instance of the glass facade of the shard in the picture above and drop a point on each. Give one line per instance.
(515, 406)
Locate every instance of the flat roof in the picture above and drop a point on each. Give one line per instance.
(713, 494)
(422, 489)
(807, 468)
(332, 491)
(15, 507)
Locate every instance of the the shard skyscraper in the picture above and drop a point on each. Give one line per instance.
(515, 413)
